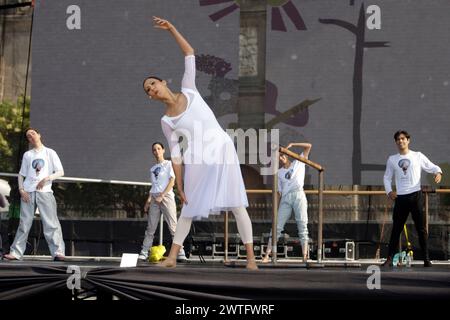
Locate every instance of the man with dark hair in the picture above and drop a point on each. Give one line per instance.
(403, 132)
(407, 166)
(40, 166)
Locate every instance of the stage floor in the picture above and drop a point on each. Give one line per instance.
(101, 277)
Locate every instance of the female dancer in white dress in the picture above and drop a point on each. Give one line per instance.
(212, 175)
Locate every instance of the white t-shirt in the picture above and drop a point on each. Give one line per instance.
(160, 175)
(407, 170)
(291, 178)
(37, 165)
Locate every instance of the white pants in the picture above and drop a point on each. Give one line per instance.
(46, 203)
(243, 222)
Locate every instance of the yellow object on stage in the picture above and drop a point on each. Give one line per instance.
(157, 253)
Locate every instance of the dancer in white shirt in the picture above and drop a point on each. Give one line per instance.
(407, 166)
(212, 177)
(161, 200)
(40, 166)
(291, 177)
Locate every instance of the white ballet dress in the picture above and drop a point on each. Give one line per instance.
(212, 176)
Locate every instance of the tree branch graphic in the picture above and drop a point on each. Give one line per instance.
(359, 31)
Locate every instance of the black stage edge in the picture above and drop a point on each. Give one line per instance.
(104, 280)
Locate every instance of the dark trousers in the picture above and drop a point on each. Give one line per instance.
(404, 204)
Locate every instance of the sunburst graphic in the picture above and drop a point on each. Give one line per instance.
(277, 19)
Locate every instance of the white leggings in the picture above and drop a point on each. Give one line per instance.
(243, 222)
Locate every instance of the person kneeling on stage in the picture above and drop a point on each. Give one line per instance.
(161, 200)
(291, 178)
(40, 166)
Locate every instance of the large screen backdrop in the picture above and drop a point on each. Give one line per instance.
(360, 71)
(87, 95)
(371, 82)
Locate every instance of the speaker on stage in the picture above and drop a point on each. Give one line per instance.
(349, 250)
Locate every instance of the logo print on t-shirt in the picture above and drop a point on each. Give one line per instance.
(38, 164)
(156, 172)
(288, 174)
(404, 164)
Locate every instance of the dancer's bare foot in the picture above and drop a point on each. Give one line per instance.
(168, 263)
(171, 260)
(251, 264)
(251, 261)
(265, 259)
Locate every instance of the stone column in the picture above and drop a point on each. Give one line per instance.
(252, 59)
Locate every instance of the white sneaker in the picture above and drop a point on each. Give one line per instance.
(143, 257)
(181, 256)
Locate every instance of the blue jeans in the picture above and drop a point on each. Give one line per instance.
(45, 201)
(294, 200)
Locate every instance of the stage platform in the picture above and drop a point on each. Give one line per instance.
(37, 277)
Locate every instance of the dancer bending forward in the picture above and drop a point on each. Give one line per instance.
(212, 176)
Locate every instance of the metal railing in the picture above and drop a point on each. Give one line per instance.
(320, 192)
(426, 191)
(73, 179)
(276, 150)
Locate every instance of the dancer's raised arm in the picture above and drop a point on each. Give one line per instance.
(306, 147)
(166, 25)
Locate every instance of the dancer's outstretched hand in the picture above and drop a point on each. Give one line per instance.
(162, 23)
